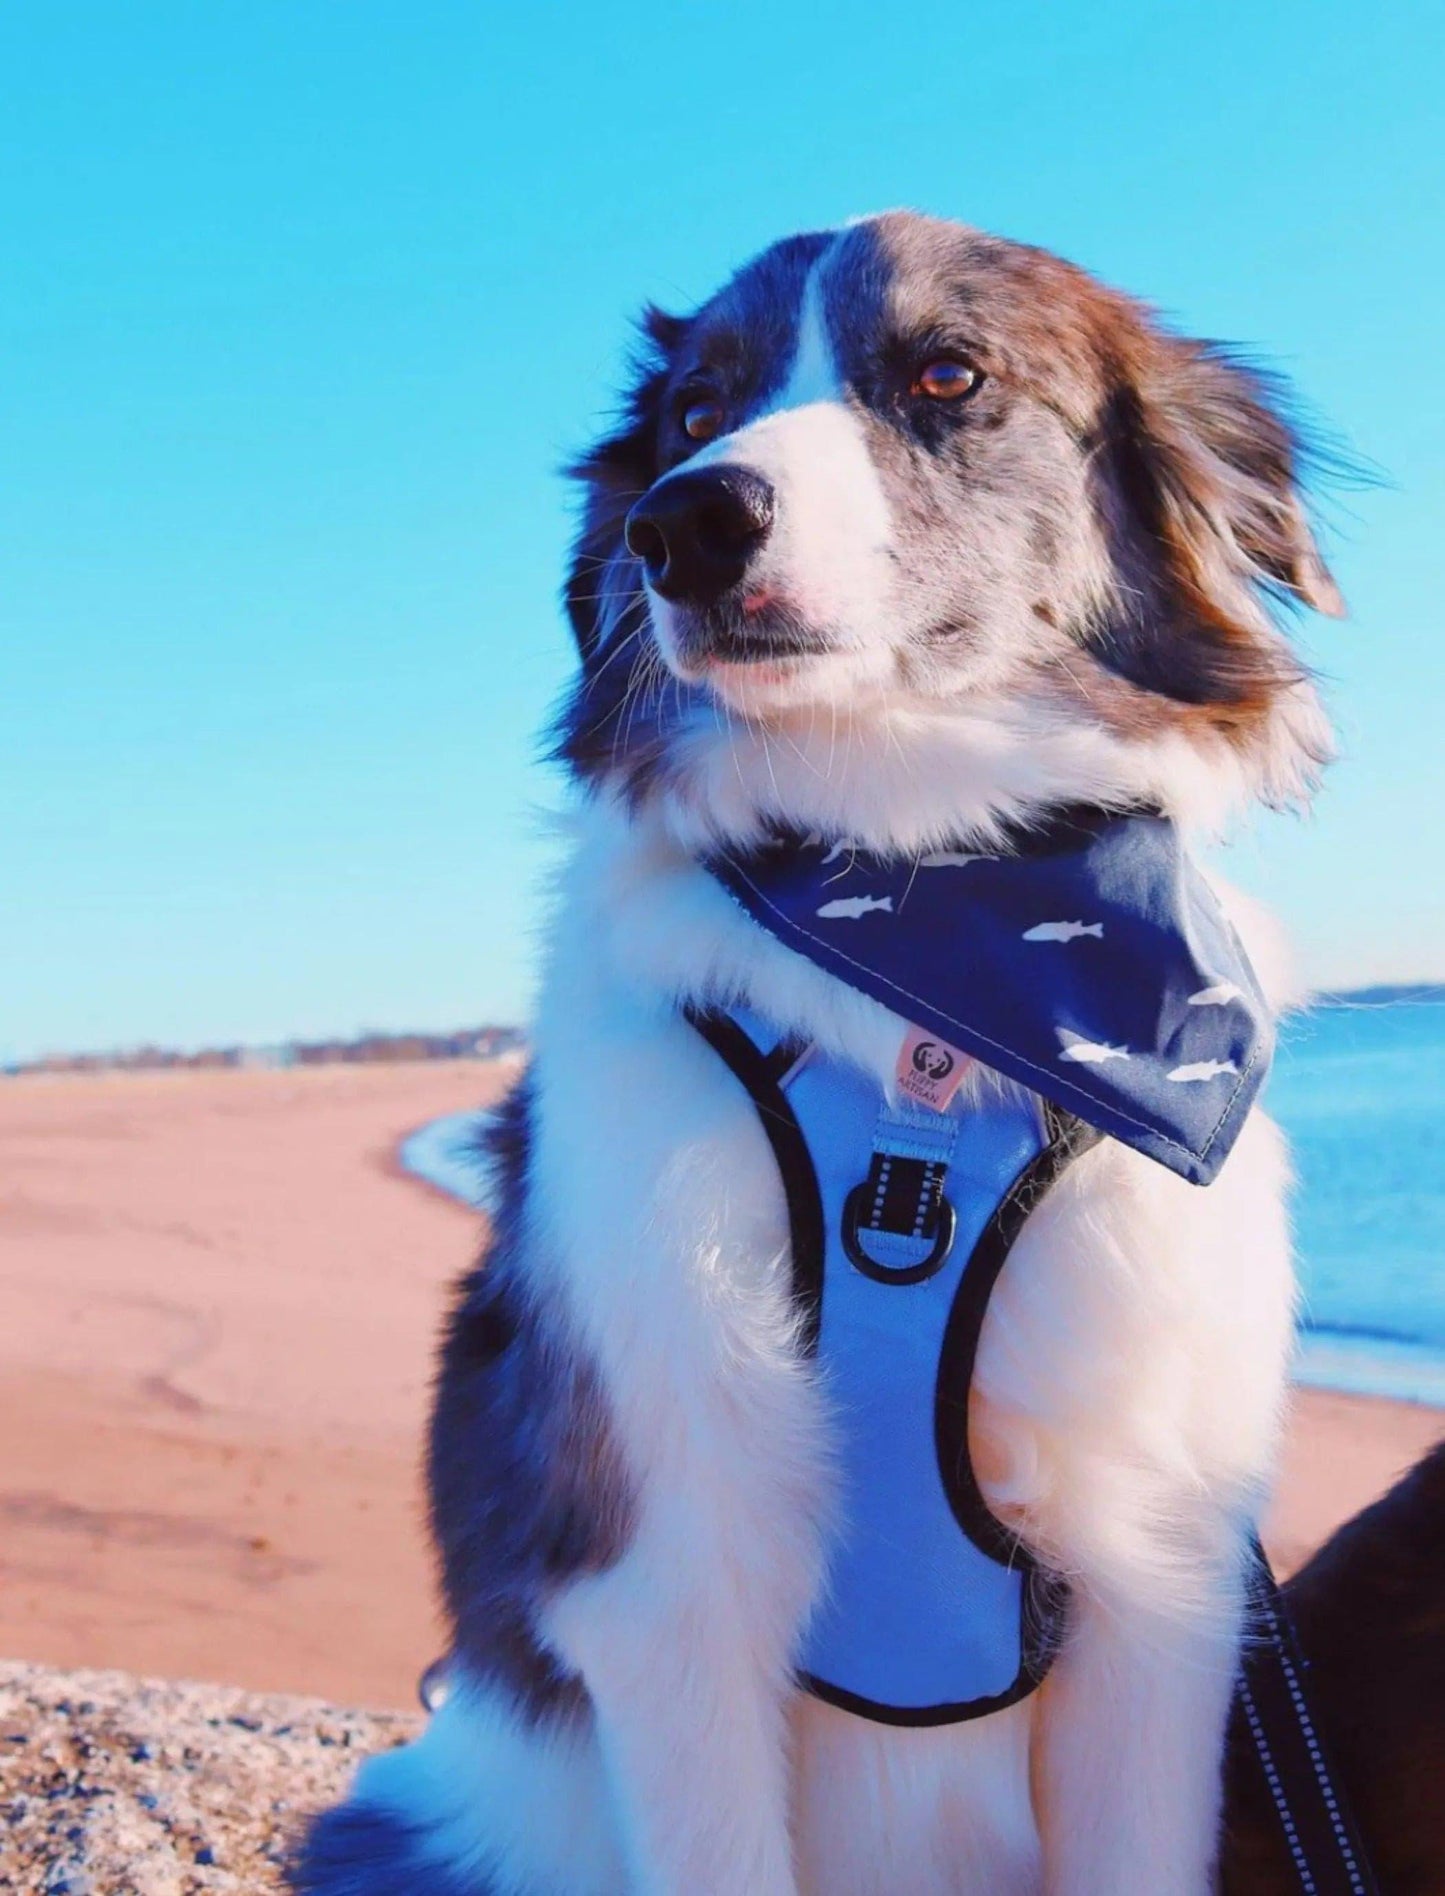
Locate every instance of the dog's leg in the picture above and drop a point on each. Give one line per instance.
(660, 1203)
(685, 1645)
(1132, 1438)
(690, 1722)
(1130, 1746)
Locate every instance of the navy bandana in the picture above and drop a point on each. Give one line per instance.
(1094, 966)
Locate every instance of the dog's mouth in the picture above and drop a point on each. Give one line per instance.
(756, 636)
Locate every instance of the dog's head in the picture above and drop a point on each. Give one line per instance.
(945, 524)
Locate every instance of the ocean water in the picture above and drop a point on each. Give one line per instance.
(1361, 1091)
(445, 1153)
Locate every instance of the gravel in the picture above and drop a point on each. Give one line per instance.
(115, 1786)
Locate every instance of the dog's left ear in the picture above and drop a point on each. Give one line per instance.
(1223, 466)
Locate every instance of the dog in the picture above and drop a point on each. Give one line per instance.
(907, 538)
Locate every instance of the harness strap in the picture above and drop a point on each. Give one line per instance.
(898, 1226)
(1319, 1830)
(761, 1075)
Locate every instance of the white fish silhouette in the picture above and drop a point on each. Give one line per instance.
(1217, 996)
(849, 907)
(952, 859)
(1063, 931)
(1091, 1052)
(1203, 1070)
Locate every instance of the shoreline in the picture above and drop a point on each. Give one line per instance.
(214, 1377)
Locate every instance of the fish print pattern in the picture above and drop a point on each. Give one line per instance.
(1219, 995)
(1090, 1052)
(1196, 1070)
(848, 908)
(1092, 963)
(1064, 931)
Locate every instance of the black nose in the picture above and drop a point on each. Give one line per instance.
(696, 530)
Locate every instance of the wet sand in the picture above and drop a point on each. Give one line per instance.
(218, 1301)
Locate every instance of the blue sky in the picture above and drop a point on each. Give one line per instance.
(304, 304)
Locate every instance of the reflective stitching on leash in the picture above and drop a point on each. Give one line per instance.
(1276, 1788)
(1317, 1762)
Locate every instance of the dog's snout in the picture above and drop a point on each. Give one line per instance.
(696, 531)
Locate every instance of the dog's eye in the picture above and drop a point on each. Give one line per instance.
(946, 380)
(702, 418)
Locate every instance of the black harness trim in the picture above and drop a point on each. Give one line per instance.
(1068, 1139)
(921, 1717)
(760, 1074)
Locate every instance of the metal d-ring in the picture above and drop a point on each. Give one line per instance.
(854, 1207)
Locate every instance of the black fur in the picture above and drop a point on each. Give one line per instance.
(358, 1850)
(527, 1487)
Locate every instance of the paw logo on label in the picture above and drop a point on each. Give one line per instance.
(929, 1070)
(932, 1061)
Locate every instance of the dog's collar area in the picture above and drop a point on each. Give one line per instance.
(1093, 965)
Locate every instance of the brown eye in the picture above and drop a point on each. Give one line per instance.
(702, 419)
(946, 380)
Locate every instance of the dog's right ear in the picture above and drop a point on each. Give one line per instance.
(603, 587)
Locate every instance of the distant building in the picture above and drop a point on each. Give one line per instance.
(467, 1043)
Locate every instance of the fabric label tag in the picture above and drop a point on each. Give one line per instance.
(928, 1069)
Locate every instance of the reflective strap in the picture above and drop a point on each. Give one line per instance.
(898, 1224)
(1323, 1843)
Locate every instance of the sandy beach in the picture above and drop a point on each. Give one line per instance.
(219, 1303)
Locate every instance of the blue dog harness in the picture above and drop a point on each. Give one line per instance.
(901, 1220)
(1095, 967)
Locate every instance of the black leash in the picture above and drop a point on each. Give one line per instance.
(1324, 1844)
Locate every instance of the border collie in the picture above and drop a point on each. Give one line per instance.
(910, 536)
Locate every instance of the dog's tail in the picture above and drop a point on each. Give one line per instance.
(482, 1804)
(1369, 1614)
